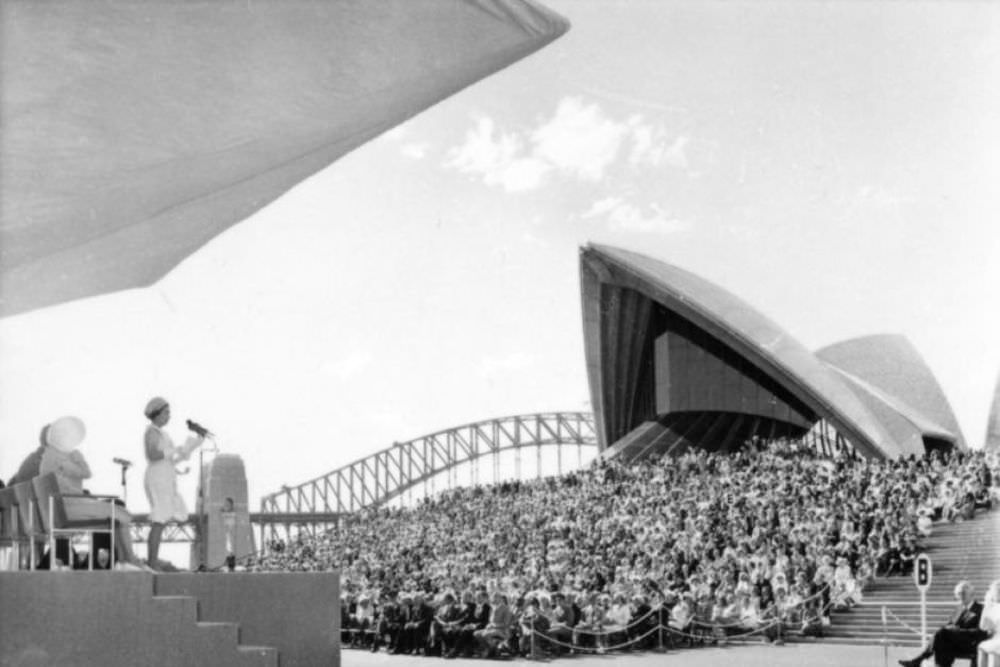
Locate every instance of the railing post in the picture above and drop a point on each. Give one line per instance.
(885, 640)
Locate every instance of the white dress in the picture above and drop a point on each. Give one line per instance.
(165, 502)
(990, 622)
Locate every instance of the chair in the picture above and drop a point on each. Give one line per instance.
(28, 519)
(55, 520)
(9, 537)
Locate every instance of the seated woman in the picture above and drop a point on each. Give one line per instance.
(725, 616)
(62, 457)
(588, 629)
(846, 592)
(682, 617)
(616, 620)
(989, 622)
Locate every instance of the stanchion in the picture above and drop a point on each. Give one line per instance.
(885, 640)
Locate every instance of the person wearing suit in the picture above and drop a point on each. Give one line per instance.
(959, 637)
(390, 622)
(477, 621)
(417, 626)
(497, 631)
(444, 628)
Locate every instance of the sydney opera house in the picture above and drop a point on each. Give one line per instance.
(675, 361)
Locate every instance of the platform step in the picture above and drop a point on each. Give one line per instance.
(258, 656)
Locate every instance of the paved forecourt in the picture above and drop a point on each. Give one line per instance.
(812, 654)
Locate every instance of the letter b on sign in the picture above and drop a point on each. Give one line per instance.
(922, 572)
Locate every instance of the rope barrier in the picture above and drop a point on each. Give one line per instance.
(902, 622)
(670, 630)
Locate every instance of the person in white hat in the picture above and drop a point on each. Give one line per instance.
(62, 457)
(165, 502)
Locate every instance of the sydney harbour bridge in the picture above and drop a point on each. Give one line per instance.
(422, 466)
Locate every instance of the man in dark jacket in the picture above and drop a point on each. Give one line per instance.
(480, 617)
(390, 621)
(959, 636)
(416, 626)
(448, 622)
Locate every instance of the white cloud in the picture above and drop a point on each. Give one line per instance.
(603, 206)
(653, 146)
(498, 158)
(578, 141)
(676, 154)
(621, 215)
(416, 150)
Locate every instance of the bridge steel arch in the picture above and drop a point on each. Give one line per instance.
(385, 475)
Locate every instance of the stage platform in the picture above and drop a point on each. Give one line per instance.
(75, 619)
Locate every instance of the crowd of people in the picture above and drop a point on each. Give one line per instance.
(763, 541)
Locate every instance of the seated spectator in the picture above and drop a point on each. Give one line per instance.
(846, 592)
(682, 616)
(925, 525)
(448, 621)
(616, 620)
(589, 630)
(497, 631)
(532, 621)
(348, 622)
(989, 623)
(561, 622)
(416, 625)
(28, 470)
(62, 457)
(773, 618)
(480, 618)
(960, 636)
(363, 620)
(390, 622)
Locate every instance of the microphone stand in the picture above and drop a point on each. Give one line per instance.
(202, 510)
(125, 467)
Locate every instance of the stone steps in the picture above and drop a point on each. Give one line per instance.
(967, 550)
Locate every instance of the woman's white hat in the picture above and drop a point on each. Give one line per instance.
(66, 433)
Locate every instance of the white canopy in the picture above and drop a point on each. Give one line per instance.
(134, 132)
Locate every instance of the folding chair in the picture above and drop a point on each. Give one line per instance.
(9, 537)
(28, 520)
(55, 519)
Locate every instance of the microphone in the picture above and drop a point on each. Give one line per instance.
(122, 462)
(199, 429)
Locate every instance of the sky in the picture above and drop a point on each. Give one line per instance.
(832, 163)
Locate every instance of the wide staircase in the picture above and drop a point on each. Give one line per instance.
(966, 550)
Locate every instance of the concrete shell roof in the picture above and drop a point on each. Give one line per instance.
(890, 365)
(749, 332)
(135, 132)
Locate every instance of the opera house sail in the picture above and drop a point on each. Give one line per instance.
(675, 361)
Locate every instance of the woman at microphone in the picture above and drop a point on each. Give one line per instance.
(165, 502)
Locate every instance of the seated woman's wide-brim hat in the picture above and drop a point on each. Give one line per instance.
(66, 433)
(155, 404)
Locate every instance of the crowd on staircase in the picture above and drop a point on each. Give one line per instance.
(764, 541)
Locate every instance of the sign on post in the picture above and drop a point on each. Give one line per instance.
(923, 572)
